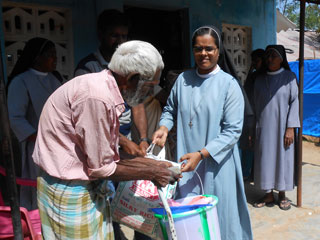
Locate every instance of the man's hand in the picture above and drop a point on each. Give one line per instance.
(129, 146)
(288, 137)
(164, 164)
(164, 176)
(160, 136)
(143, 147)
(132, 149)
(145, 169)
(193, 160)
(140, 120)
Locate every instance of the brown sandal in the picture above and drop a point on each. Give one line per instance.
(262, 202)
(285, 204)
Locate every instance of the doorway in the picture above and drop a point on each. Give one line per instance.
(167, 30)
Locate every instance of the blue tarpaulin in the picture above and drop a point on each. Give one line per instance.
(311, 95)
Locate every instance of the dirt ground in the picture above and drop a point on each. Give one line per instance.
(311, 152)
(301, 223)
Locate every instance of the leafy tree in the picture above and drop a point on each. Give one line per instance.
(313, 17)
(292, 12)
(291, 9)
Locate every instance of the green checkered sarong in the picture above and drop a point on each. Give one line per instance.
(74, 209)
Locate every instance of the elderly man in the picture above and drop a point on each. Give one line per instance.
(77, 145)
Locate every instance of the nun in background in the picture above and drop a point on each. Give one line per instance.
(32, 81)
(208, 105)
(277, 116)
(246, 142)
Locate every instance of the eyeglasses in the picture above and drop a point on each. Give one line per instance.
(272, 56)
(198, 49)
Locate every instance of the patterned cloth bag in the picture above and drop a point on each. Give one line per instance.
(134, 199)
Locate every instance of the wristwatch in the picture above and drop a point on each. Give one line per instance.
(202, 156)
(144, 140)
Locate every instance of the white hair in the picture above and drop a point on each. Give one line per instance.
(136, 57)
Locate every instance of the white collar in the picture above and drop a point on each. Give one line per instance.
(276, 72)
(38, 72)
(210, 74)
(101, 59)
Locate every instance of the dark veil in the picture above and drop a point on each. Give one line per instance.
(227, 66)
(33, 48)
(282, 52)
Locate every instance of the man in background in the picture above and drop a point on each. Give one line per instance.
(112, 29)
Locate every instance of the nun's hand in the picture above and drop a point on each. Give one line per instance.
(160, 136)
(250, 141)
(288, 137)
(32, 138)
(193, 160)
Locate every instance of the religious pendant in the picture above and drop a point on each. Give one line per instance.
(190, 124)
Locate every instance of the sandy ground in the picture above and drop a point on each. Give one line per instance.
(295, 224)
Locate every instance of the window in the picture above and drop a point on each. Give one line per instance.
(237, 42)
(22, 22)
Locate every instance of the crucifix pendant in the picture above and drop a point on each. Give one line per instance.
(190, 124)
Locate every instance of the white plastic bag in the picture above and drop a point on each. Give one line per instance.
(133, 200)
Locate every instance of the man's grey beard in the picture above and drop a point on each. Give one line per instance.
(135, 97)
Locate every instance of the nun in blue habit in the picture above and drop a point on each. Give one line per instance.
(208, 105)
(32, 80)
(277, 118)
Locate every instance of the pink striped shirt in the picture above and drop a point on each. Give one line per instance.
(78, 132)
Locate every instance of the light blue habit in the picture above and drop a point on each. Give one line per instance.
(27, 95)
(277, 108)
(217, 110)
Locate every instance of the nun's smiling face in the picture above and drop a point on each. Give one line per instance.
(205, 53)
